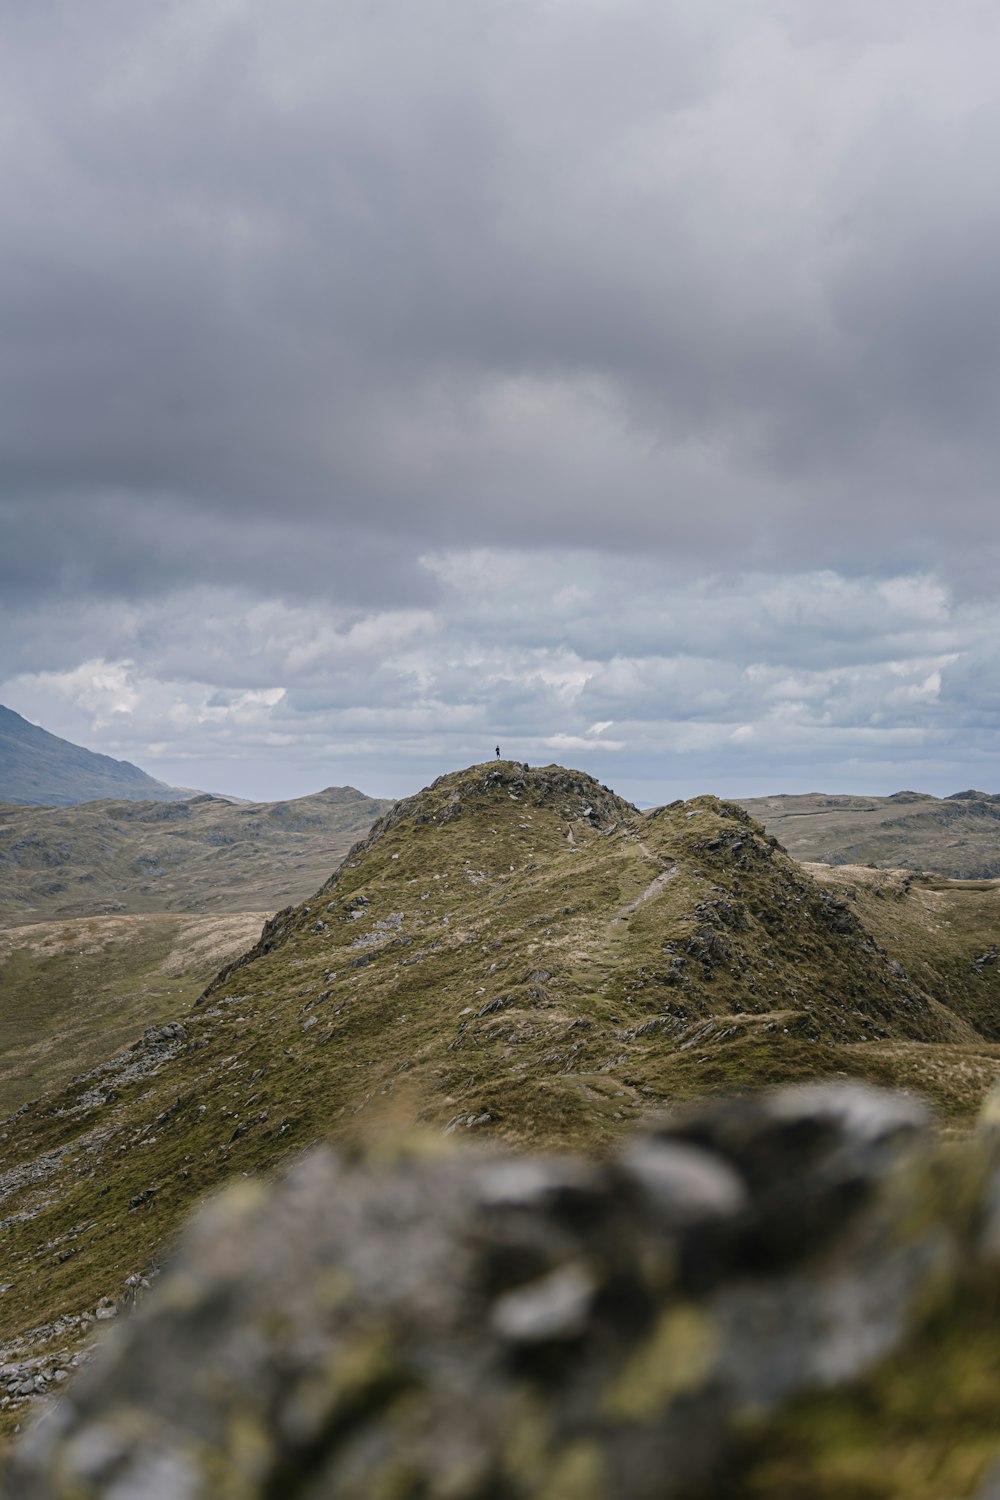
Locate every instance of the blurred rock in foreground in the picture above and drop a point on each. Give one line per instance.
(788, 1295)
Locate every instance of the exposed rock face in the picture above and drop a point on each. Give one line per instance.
(460, 1324)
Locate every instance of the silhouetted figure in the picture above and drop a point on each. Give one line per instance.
(498, 752)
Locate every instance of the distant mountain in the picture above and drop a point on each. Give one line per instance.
(204, 854)
(957, 836)
(40, 769)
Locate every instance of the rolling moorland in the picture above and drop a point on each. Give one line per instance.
(114, 915)
(73, 992)
(515, 955)
(958, 836)
(203, 855)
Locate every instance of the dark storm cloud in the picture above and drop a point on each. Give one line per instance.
(136, 546)
(291, 291)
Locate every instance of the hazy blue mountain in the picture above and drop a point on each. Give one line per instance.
(40, 769)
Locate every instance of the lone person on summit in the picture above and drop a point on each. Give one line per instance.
(498, 752)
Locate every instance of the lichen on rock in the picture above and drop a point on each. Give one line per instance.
(456, 1324)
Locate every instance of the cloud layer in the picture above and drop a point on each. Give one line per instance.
(377, 379)
(722, 684)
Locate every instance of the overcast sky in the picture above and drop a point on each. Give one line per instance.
(618, 380)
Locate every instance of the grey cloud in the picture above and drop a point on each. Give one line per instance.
(133, 547)
(292, 293)
(639, 607)
(724, 684)
(375, 380)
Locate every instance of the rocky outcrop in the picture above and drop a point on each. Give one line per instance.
(435, 1322)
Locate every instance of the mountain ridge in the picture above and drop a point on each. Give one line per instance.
(514, 954)
(39, 769)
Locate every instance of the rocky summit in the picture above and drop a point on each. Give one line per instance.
(515, 958)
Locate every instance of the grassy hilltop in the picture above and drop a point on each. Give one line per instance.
(514, 953)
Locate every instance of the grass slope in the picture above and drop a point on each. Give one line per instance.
(73, 992)
(38, 767)
(516, 953)
(957, 836)
(202, 855)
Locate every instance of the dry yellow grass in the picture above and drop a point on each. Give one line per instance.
(72, 992)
